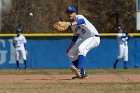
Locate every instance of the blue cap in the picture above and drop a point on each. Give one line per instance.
(118, 28)
(71, 9)
(18, 30)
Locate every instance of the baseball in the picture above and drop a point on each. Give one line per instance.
(30, 14)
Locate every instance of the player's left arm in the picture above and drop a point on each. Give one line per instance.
(78, 22)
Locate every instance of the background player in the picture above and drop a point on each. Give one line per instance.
(19, 43)
(89, 39)
(122, 39)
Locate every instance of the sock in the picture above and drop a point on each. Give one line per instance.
(125, 64)
(17, 63)
(25, 63)
(80, 64)
(75, 63)
(115, 63)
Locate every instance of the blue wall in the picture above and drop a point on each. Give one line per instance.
(50, 52)
(138, 5)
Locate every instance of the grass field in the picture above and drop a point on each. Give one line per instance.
(68, 86)
(67, 71)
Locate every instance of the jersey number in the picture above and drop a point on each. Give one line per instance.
(79, 28)
(83, 31)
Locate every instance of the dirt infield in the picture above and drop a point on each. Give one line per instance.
(67, 78)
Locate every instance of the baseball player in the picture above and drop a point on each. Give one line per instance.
(19, 43)
(122, 39)
(89, 39)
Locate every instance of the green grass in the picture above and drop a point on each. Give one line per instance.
(67, 71)
(71, 88)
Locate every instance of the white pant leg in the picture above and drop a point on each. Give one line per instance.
(82, 47)
(120, 52)
(73, 52)
(125, 53)
(88, 44)
(17, 54)
(20, 53)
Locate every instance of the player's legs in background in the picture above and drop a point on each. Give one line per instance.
(125, 62)
(120, 55)
(125, 56)
(23, 54)
(17, 59)
(17, 63)
(25, 64)
(115, 64)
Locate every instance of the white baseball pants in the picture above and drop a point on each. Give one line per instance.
(123, 52)
(20, 53)
(83, 47)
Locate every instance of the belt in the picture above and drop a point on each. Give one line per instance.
(18, 46)
(97, 36)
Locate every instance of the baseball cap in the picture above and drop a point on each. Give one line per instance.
(18, 30)
(70, 9)
(118, 28)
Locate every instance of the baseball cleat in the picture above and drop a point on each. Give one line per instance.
(75, 71)
(76, 77)
(85, 76)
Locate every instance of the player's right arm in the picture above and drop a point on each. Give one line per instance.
(25, 42)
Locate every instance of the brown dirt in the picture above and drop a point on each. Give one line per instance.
(67, 79)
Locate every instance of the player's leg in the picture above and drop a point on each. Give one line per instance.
(125, 62)
(80, 66)
(120, 55)
(73, 53)
(75, 63)
(125, 57)
(84, 48)
(73, 56)
(17, 59)
(23, 54)
(76, 71)
(115, 63)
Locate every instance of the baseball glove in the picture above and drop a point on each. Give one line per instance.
(61, 26)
